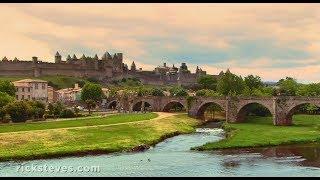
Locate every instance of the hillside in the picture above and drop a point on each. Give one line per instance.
(57, 82)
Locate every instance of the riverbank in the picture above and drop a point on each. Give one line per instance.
(260, 132)
(102, 139)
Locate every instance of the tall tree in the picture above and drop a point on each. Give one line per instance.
(230, 84)
(207, 82)
(288, 86)
(253, 82)
(90, 94)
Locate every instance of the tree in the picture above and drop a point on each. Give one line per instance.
(37, 109)
(253, 82)
(7, 87)
(91, 93)
(288, 86)
(19, 111)
(207, 82)
(67, 113)
(4, 100)
(312, 89)
(230, 84)
(178, 91)
(90, 104)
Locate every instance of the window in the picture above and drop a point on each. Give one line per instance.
(36, 86)
(43, 86)
(17, 89)
(29, 97)
(22, 97)
(17, 97)
(28, 89)
(23, 89)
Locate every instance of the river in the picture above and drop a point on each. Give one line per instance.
(173, 157)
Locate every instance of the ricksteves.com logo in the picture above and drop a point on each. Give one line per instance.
(57, 169)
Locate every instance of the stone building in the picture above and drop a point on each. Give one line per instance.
(69, 95)
(31, 89)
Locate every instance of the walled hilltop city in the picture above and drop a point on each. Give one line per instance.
(106, 68)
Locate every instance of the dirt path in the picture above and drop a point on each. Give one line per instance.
(161, 115)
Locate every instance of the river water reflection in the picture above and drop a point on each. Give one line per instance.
(173, 157)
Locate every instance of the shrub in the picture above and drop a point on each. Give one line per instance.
(157, 92)
(67, 113)
(18, 111)
(37, 109)
(178, 91)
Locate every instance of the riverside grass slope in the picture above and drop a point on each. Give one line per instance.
(113, 137)
(259, 132)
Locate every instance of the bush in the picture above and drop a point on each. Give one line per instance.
(178, 91)
(157, 92)
(19, 111)
(37, 109)
(67, 113)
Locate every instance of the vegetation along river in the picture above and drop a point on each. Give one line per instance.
(173, 157)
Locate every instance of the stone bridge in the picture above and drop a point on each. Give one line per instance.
(236, 108)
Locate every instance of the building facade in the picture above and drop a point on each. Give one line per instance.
(31, 89)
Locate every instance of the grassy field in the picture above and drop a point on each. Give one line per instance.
(259, 131)
(112, 119)
(58, 81)
(101, 139)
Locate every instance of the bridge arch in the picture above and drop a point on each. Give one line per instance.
(112, 104)
(137, 106)
(202, 108)
(168, 106)
(244, 110)
(295, 107)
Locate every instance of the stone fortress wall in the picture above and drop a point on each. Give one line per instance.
(107, 68)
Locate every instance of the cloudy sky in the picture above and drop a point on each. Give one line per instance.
(270, 40)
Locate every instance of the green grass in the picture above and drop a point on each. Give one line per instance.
(102, 139)
(112, 119)
(259, 131)
(58, 81)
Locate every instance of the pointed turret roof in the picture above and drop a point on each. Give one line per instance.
(96, 57)
(228, 71)
(108, 55)
(83, 57)
(68, 57)
(57, 54)
(5, 59)
(104, 57)
(16, 59)
(74, 57)
(221, 73)
(115, 56)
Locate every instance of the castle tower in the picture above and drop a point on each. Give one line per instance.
(96, 57)
(74, 57)
(5, 59)
(57, 58)
(96, 62)
(69, 59)
(16, 59)
(133, 67)
(197, 70)
(104, 57)
(83, 57)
